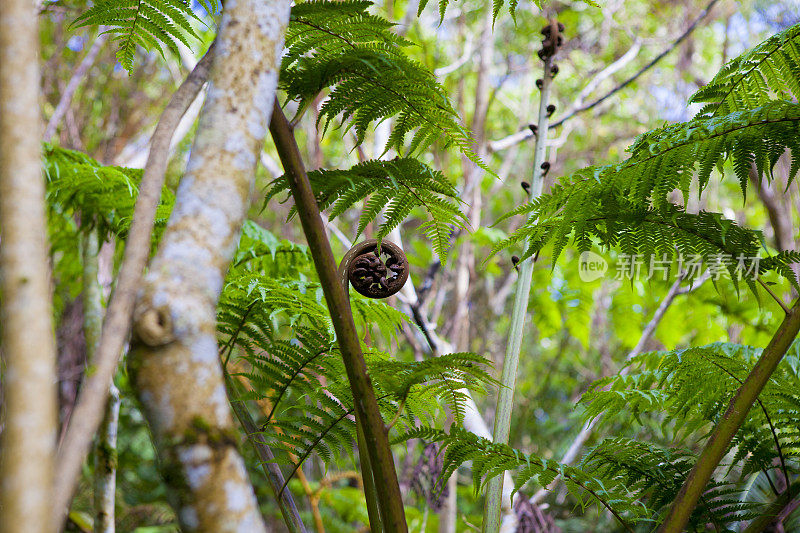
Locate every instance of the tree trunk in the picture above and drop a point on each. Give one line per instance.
(30, 423)
(105, 450)
(174, 363)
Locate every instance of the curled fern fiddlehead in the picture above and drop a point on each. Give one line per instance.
(375, 271)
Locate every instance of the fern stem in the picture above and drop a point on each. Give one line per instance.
(375, 435)
(774, 296)
(370, 493)
(772, 430)
(505, 398)
(726, 428)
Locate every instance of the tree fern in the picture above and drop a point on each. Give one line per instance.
(281, 326)
(341, 47)
(396, 186)
(655, 474)
(151, 24)
(750, 122)
(101, 197)
(84, 196)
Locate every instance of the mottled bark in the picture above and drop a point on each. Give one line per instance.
(174, 364)
(29, 376)
(90, 407)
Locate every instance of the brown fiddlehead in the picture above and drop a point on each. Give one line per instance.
(374, 271)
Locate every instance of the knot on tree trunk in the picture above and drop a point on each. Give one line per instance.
(154, 327)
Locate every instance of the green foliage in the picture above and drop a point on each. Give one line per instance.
(100, 197)
(340, 46)
(395, 187)
(85, 196)
(489, 460)
(282, 327)
(151, 24)
(629, 205)
(688, 390)
(768, 71)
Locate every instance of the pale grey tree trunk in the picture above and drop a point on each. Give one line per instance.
(29, 376)
(174, 363)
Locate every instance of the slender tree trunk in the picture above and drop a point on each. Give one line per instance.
(105, 466)
(29, 375)
(105, 450)
(174, 363)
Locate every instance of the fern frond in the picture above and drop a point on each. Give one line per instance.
(282, 328)
(395, 187)
(102, 197)
(692, 387)
(341, 47)
(261, 251)
(151, 24)
(767, 72)
(489, 460)
(656, 474)
(627, 205)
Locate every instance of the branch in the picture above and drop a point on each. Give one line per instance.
(89, 408)
(30, 420)
(74, 82)
(642, 70)
(719, 441)
(376, 439)
(273, 472)
(526, 133)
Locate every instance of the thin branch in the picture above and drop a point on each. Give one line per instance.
(273, 472)
(642, 70)
(377, 443)
(72, 86)
(774, 296)
(526, 132)
(720, 439)
(89, 408)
